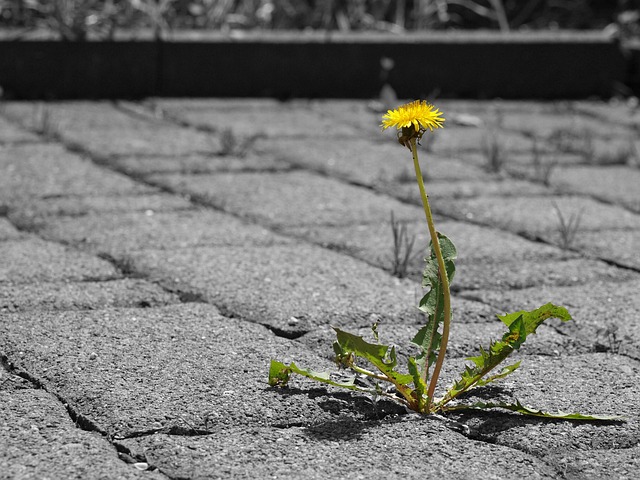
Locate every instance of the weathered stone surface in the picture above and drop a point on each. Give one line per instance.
(487, 258)
(279, 120)
(8, 231)
(39, 440)
(473, 325)
(48, 170)
(82, 296)
(406, 447)
(11, 133)
(34, 260)
(442, 191)
(541, 213)
(121, 233)
(197, 164)
(94, 125)
(589, 384)
(614, 183)
(292, 198)
(291, 288)
(32, 210)
(366, 162)
(176, 369)
(618, 246)
(605, 314)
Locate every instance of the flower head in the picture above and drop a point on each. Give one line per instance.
(413, 119)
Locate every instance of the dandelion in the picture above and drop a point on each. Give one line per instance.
(413, 119)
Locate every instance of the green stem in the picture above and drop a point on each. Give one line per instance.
(441, 272)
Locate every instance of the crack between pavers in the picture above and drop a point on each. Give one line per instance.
(80, 421)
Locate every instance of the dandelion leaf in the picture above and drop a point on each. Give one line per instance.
(520, 324)
(279, 374)
(518, 407)
(382, 357)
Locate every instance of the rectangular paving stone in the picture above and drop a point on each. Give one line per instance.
(291, 288)
(605, 313)
(44, 170)
(197, 164)
(615, 183)
(12, 133)
(292, 198)
(441, 191)
(374, 243)
(8, 231)
(277, 120)
(182, 369)
(39, 440)
(487, 258)
(590, 384)
(83, 295)
(120, 233)
(384, 449)
(537, 215)
(454, 141)
(368, 162)
(94, 125)
(38, 209)
(33, 260)
(473, 325)
(618, 246)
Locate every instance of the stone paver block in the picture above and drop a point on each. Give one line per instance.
(120, 233)
(39, 440)
(539, 215)
(447, 191)
(618, 246)
(590, 384)
(457, 140)
(370, 163)
(617, 184)
(34, 260)
(374, 243)
(11, 133)
(531, 273)
(45, 170)
(195, 164)
(605, 314)
(181, 369)
(94, 125)
(286, 120)
(83, 296)
(466, 336)
(487, 258)
(406, 447)
(8, 231)
(291, 288)
(292, 198)
(33, 210)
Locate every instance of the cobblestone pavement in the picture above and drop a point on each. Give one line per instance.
(156, 255)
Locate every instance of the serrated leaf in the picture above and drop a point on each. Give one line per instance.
(420, 387)
(449, 254)
(533, 319)
(520, 324)
(381, 356)
(518, 407)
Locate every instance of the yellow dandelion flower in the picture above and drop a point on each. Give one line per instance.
(413, 118)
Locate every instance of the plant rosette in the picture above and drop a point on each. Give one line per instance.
(415, 387)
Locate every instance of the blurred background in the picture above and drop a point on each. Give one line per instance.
(82, 19)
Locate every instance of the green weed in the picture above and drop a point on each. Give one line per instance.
(414, 386)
